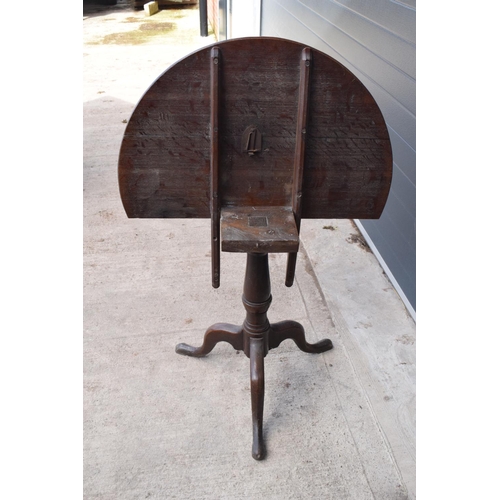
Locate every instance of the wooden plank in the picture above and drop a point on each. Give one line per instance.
(300, 149)
(215, 64)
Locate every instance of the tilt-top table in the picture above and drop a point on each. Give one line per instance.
(256, 134)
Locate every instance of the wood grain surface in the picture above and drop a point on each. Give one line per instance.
(164, 162)
(259, 229)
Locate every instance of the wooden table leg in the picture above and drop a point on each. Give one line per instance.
(255, 337)
(220, 332)
(256, 300)
(257, 394)
(295, 331)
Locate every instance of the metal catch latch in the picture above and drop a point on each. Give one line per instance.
(252, 140)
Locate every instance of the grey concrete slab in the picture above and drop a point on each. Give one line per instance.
(158, 425)
(376, 330)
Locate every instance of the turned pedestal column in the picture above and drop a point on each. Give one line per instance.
(255, 337)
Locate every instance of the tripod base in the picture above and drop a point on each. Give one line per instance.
(255, 337)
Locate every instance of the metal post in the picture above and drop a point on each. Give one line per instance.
(203, 18)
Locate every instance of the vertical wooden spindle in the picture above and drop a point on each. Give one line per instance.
(215, 63)
(300, 148)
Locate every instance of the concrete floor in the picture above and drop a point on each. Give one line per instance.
(338, 425)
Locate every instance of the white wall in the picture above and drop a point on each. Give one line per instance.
(376, 40)
(244, 18)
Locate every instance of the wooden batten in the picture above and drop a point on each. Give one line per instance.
(300, 149)
(215, 63)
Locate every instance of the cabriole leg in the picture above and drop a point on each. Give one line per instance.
(257, 393)
(295, 331)
(220, 332)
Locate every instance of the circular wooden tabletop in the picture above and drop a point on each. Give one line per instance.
(164, 162)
